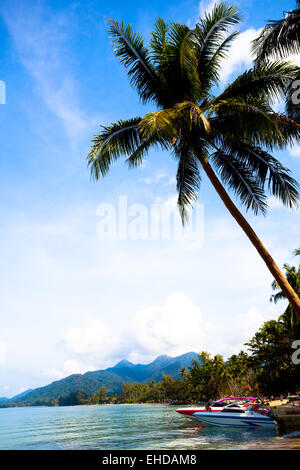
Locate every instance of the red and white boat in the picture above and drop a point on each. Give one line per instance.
(219, 405)
(237, 417)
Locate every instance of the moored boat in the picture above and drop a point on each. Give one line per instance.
(218, 405)
(237, 417)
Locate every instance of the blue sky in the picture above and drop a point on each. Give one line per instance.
(71, 302)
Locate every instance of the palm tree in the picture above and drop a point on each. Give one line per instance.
(280, 38)
(233, 132)
(289, 318)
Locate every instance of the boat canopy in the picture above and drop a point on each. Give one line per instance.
(236, 398)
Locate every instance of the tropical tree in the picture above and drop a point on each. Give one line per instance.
(207, 377)
(100, 396)
(210, 378)
(270, 358)
(289, 317)
(231, 133)
(280, 38)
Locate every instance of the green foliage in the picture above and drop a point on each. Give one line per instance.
(279, 38)
(210, 378)
(213, 41)
(289, 317)
(75, 398)
(168, 389)
(98, 397)
(179, 72)
(271, 353)
(130, 49)
(271, 347)
(45, 402)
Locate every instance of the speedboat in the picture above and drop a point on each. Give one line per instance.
(237, 417)
(219, 405)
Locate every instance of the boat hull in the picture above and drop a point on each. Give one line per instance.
(216, 406)
(235, 419)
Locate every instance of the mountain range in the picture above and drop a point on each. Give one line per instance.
(112, 378)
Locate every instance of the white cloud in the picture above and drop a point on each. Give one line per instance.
(230, 339)
(240, 56)
(206, 6)
(274, 203)
(173, 327)
(295, 151)
(96, 337)
(177, 326)
(250, 322)
(156, 178)
(70, 367)
(2, 353)
(159, 177)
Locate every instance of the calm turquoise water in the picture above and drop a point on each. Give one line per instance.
(116, 427)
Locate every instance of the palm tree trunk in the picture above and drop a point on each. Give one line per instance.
(273, 268)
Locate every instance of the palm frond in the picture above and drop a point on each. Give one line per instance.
(121, 138)
(265, 170)
(252, 120)
(193, 114)
(158, 43)
(265, 83)
(276, 297)
(211, 28)
(188, 179)
(237, 176)
(214, 64)
(279, 39)
(180, 74)
(256, 123)
(210, 34)
(289, 128)
(135, 57)
(189, 67)
(293, 277)
(137, 156)
(159, 126)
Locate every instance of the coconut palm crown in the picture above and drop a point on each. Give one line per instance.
(279, 38)
(289, 318)
(231, 134)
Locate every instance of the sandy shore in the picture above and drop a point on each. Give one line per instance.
(277, 443)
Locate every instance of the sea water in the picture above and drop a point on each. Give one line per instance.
(111, 427)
